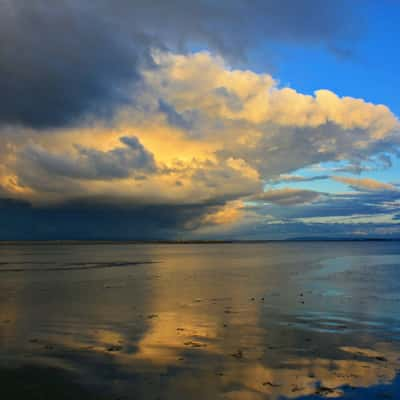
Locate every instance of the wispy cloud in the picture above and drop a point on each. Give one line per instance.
(364, 183)
(285, 178)
(288, 196)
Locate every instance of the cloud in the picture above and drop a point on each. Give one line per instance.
(58, 62)
(88, 163)
(274, 130)
(58, 169)
(365, 183)
(77, 76)
(350, 215)
(298, 178)
(97, 219)
(206, 137)
(317, 231)
(61, 62)
(288, 196)
(226, 215)
(338, 205)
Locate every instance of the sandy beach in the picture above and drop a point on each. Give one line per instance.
(285, 320)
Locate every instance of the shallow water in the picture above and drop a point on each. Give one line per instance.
(286, 320)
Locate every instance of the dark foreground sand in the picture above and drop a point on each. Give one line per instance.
(200, 321)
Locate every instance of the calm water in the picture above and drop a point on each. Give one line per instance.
(206, 321)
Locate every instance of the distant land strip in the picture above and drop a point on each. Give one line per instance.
(228, 241)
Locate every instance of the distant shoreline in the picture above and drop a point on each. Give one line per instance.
(175, 242)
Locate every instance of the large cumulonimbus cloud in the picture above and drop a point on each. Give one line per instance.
(107, 113)
(61, 60)
(204, 136)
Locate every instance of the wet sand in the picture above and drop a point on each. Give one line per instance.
(295, 320)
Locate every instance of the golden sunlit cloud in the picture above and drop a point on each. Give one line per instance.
(364, 183)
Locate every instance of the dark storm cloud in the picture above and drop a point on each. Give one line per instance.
(61, 60)
(118, 163)
(96, 219)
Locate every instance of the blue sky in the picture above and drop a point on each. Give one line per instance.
(368, 70)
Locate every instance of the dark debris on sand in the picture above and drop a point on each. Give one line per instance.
(114, 348)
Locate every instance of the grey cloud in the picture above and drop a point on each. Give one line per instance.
(103, 219)
(337, 205)
(385, 160)
(60, 61)
(295, 221)
(337, 144)
(181, 120)
(355, 168)
(288, 196)
(380, 161)
(99, 219)
(316, 231)
(231, 99)
(117, 163)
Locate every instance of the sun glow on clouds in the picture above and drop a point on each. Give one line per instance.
(365, 183)
(199, 132)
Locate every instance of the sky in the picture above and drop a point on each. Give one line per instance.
(239, 119)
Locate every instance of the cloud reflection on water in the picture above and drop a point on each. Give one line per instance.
(224, 322)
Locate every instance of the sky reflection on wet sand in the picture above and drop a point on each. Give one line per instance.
(218, 321)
